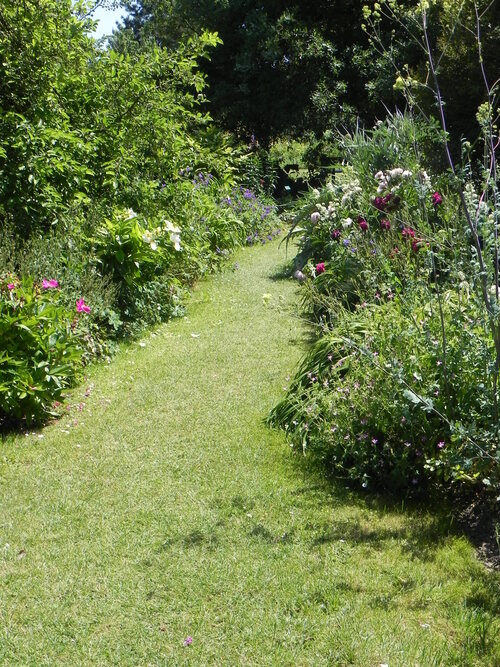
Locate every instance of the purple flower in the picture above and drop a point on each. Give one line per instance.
(188, 641)
(441, 444)
(379, 203)
(320, 268)
(335, 234)
(385, 224)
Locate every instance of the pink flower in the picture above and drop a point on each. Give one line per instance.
(82, 307)
(436, 199)
(10, 286)
(49, 284)
(320, 268)
(441, 444)
(385, 224)
(363, 225)
(188, 641)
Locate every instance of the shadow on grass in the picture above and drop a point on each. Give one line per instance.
(422, 524)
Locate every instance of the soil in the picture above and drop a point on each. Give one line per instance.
(480, 521)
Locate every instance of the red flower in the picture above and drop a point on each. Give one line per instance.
(320, 268)
(363, 225)
(408, 233)
(436, 199)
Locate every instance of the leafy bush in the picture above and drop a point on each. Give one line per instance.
(402, 387)
(41, 352)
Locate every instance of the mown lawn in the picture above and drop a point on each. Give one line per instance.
(162, 508)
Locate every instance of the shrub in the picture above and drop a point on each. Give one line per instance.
(402, 387)
(41, 351)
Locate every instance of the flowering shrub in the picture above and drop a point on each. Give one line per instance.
(40, 353)
(401, 388)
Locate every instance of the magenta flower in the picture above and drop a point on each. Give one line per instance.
(82, 307)
(379, 203)
(436, 199)
(363, 225)
(385, 224)
(408, 233)
(320, 268)
(441, 444)
(10, 286)
(49, 284)
(415, 244)
(335, 234)
(188, 641)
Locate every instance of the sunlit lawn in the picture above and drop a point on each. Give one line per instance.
(162, 508)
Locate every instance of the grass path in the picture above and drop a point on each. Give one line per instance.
(163, 508)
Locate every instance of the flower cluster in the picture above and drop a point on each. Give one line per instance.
(391, 179)
(350, 191)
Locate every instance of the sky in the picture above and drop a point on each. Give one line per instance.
(107, 21)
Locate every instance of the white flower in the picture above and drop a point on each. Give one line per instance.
(176, 240)
(406, 174)
(154, 246)
(379, 175)
(315, 217)
(130, 213)
(169, 227)
(395, 173)
(347, 222)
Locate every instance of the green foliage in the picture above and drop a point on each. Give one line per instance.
(401, 389)
(40, 353)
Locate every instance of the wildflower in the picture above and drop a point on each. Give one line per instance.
(320, 268)
(385, 224)
(315, 217)
(441, 444)
(415, 244)
(408, 232)
(335, 234)
(10, 286)
(379, 203)
(436, 199)
(363, 225)
(49, 284)
(188, 641)
(82, 307)
(347, 222)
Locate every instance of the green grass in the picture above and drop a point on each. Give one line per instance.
(164, 508)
